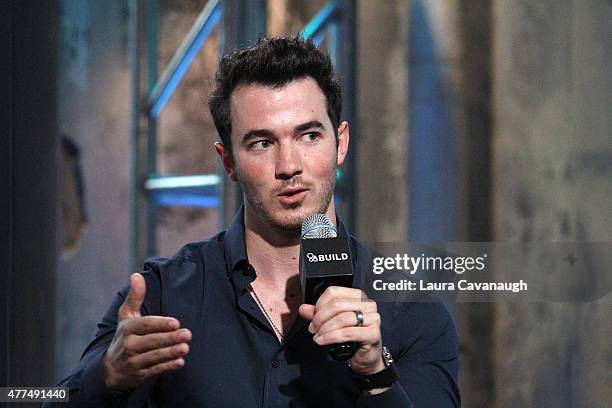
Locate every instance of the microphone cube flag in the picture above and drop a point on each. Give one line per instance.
(324, 262)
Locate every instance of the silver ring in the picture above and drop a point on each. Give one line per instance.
(359, 316)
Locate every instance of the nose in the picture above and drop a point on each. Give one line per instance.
(288, 162)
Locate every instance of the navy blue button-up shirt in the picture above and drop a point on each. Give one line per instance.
(235, 358)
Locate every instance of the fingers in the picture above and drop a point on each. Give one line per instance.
(148, 342)
(335, 292)
(162, 368)
(361, 335)
(343, 328)
(334, 321)
(149, 324)
(139, 376)
(333, 318)
(334, 300)
(132, 358)
(159, 356)
(339, 305)
(134, 299)
(348, 319)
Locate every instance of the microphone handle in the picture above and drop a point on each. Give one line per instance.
(342, 351)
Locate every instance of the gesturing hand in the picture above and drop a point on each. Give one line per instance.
(143, 347)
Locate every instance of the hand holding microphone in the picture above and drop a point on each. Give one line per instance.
(334, 321)
(341, 317)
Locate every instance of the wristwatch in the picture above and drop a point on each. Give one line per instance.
(381, 379)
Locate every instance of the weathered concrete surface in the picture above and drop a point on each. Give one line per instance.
(93, 109)
(475, 320)
(460, 51)
(380, 137)
(552, 154)
(288, 17)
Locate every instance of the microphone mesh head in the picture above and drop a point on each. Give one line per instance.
(318, 226)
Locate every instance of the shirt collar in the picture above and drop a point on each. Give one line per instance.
(234, 243)
(342, 230)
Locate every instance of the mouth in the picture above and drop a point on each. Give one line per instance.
(292, 195)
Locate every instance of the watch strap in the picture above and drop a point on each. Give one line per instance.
(382, 379)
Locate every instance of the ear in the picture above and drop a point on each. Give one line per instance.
(343, 142)
(227, 160)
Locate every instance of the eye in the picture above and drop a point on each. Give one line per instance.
(260, 145)
(311, 136)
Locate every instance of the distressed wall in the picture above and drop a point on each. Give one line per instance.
(380, 137)
(93, 109)
(552, 155)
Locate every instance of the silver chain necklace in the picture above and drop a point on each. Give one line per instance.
(263, 309)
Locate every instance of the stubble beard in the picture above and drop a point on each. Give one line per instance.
(291, 218)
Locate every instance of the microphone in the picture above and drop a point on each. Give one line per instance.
(325, 260)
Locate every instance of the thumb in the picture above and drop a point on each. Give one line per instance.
(134, 299)
(306, 311)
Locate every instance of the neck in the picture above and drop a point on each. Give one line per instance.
(273, 264)
(274, 252)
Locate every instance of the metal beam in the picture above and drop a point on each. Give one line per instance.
(184, 191)
(169, 80)
(151, 168)
(134, 64)
(315, 28)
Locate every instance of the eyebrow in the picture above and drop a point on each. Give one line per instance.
(313, 124)
(255, 133)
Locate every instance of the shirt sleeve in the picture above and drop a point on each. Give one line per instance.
(393, 397)
(428, 357)
(86, 384)
(426, 351)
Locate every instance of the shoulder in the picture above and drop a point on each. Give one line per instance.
(180, 278)
(189, 263)
(197, 253)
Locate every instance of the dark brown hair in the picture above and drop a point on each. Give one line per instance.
(274, 62)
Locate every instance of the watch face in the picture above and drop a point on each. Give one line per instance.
(387, 358)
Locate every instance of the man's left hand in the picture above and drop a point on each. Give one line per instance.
(333, 320)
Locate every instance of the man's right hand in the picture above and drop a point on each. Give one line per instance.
(144, 346)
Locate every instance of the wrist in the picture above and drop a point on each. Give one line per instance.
(107, 374)
(369, 369)
(381, 380)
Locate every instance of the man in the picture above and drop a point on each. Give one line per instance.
(222, 323)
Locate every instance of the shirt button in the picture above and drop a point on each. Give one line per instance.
(275, 363)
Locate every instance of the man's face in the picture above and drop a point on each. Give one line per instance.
(284, 152)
